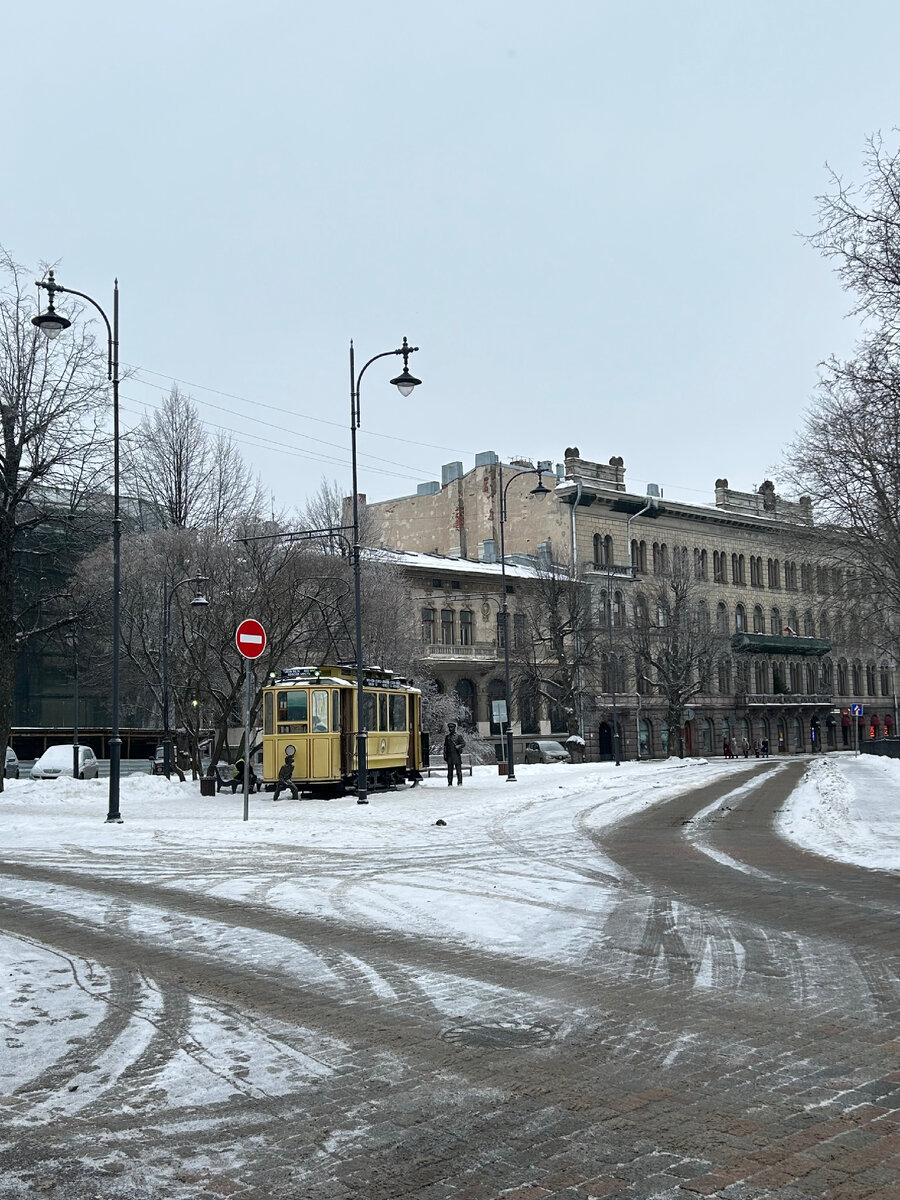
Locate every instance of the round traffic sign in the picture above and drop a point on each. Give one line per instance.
(250, 638)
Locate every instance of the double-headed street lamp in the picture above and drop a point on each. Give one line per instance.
(51, 323)
(404, 383)
(198, 601)
(540, 490)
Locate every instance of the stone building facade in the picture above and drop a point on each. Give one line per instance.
(792, 661)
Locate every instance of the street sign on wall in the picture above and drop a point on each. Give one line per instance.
(250, 638)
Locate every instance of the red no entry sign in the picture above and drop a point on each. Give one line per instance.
(250, 639)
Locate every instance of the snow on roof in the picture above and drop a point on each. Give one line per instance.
(453, 566)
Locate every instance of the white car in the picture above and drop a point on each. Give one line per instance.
(59, 760)
(11, 770)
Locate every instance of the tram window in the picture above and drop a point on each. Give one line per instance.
(336, 710)
(268, 719)
(382, 711)
(369, 711)
(398, 712)
(292, 712)
(320, 711)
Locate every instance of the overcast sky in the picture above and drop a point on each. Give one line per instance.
(585, 214)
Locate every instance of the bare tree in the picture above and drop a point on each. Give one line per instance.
(52, 462)
(673, 643)
(188, 477)
(561, 641)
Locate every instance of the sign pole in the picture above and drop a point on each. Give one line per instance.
(247, 669)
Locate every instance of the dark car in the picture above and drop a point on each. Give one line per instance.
(11, 770)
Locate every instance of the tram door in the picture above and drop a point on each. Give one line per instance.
(347, 699)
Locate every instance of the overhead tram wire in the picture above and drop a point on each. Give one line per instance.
(287, 411)
(280, 428)
(269, 444)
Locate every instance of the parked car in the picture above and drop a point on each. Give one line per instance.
(546, 752)
(11, 770)
(59, 760)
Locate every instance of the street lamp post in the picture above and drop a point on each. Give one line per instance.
(197, 602)
(404, 383)
(540, 490)
(51, 323)
(612, 662)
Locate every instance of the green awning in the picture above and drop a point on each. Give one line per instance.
(771, 643)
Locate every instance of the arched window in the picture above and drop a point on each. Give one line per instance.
(806, 577)
(603, 556)
(465, 689)
(761, 676)
(724, 676)
(798, 734)
(735, 574)
(775, 621)
(618, 610)
(740, 619)
(827, 674)
(812, 679)
(824, 627)
(721, 618)
(759, 622)
(842, 688)
(857, 678)
(871, 688)
(703, 616)
(796, 685)
(822, 581)
(793, 626)
(774, 572)
(641, 614)
(646, 735)
(885, 680)
(446, 626)
(603, 616)
(558, 718)
(719, 566)
(809, 630)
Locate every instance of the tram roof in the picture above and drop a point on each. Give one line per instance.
(340, 677)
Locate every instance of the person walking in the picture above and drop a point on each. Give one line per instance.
(765, 747)
(726, 747)
(745, 747)
(453, 747)
(286, 779)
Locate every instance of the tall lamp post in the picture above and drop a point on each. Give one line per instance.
(540, 490)
(51, 323)
(197, 602)
(404, 383)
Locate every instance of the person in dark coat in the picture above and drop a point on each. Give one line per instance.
(286, 779)
(237, 780)
(453, 747)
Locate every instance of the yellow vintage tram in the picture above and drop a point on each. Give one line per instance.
(314, 711)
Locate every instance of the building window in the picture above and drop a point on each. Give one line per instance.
(857, 678)
(639, 557)
(603, 552)
(795, 678)
(827, 674)
(641, 614)
(761, 676)
(437, 583)
(774, 573)
(428, 626)
(719, 567)
(465, 628)
(721, 618)
(724, 676)
(842, 678)
(703, 616)
(790, 576)
(446, 626)
(642, 683)
(528, 709)
(758, 620)
(809, 630)
(501, 630)
(518, 631)
(871, 689)
(822, 581)
(604, 610)
(660, 558)
(885, 680)
(618, 610)
(465, 689)
(740, 619)
(806, 577)
(454, 583)
(775, 621)
(812, 679)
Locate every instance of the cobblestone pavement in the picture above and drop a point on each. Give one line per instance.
(727, 1026)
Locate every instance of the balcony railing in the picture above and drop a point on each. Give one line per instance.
(485, 650)
(780, 699)
(615, 570)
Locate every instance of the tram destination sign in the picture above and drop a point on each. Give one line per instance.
(250, 638)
